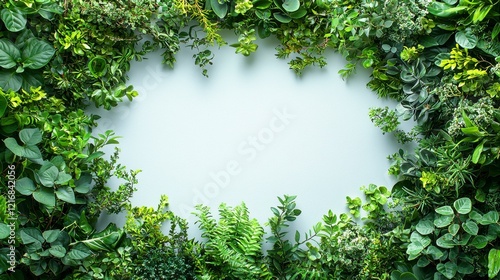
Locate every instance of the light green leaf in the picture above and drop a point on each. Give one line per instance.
(425, 227)
(445, 210)
(9, 54)
(479, 241)
(25, 186)
(477, 152)
(449, 269)
(30, 136)
(493, 263)
(453, 229)
(291, 5)
(281, 17)
(51, 235)
(14, 20)
(466, 40)
(45, 196)
(66, 194)
(463, 205)
(220, 9)
(443, 221)
(489, 218)
(470, 227)
(4, 231)
(36, 53)
(446, 241)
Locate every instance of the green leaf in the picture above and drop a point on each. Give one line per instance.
(57, 251)
(79, 252)
(51, 235)
(449, 269)
(489, 218)
(493, 263)
(9, 79)
(84, 184)
(66, 194)
(425, 227)
(444, 10)
(9, 54)
(446, 241)
(30, 236)
(36, 53)
(477, 152)
(445, 210)
(62, 178)
(466, 40)
(3, 105)
(106, 240)
(463, 205)
(300, 13)
(14, 20)
(4, 231)
(220, 9)
(31, 152)
(443, 221)
(281, 17)
(30, 136)
(291, 5)
(453, 229)
(25, 186)
(481, 12)
(45, 196)
(496, 30)
(47, 174)
(479, 241)
(434, 252)
(470, 227)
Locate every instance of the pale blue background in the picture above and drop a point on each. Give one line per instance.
(183, 127)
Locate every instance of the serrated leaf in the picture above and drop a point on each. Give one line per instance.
(25, 186)
(36, 53)
(463, 205)
(14, 20)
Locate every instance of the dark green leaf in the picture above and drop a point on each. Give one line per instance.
(9, 54)
(36, 54)
(14, 20)
(3, 105)
(31, 235)
(51, 235)
(79, 252)
(30, 136)
(66, 194)
(466, 40)
(4, 231)
(479, 241)
(9, 79)
(449, 269)
(57, 251)
(45, 196)
(220, 9)
(281, 17)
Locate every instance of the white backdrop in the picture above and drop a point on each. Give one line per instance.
(250, 132)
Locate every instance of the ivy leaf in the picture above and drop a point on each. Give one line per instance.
(14, 20)
(463, 205)
(493, 263)
(466, 40)
(25, 186)
(9, 79)
(36, 54)
(66, 194)
(9, 54)
(220, 9)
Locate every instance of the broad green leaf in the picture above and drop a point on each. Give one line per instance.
(45, 196)
(496, 30)
(446, 241)
(425, 227)
(481, 12)
(291, 5)
(443, 221)
(445, 210)
(453, 229)
(51, 235)
(47, 174)
(493, 263)
(281, 17)
(220, 9)
(57, 251)
(25, 186)
(489, 218)
(300, 13)
(31, 79)
(66, 194)
(30, 136)
(30, 236)
(63, 178)
(79, 252)
(434, 252)
(465, 267)
(466, 40)
(48, 11)
(479, 241)
(470, 227)
(14, 20)
(477, 152)
(4, 230)
(444, 10)
(31, 152)
(36, 53)
(449, 269)
(84, 184)
(9, 79)
(9, 54)
(463, 205)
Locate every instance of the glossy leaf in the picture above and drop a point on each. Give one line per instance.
(445, 210)
(291, 5)
(36, 53)
(493, 263)
(466, 40)
(9, 54)
(30, 136)
(220, 9)
(25, 186)
(463, 205)
(14, 19)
